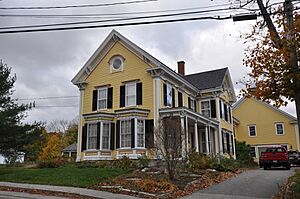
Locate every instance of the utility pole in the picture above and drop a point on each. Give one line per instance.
(289, 46)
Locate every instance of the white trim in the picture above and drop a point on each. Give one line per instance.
(106, 99)
(135, 94)
(248, 127)
(276, 129)
(111, 61)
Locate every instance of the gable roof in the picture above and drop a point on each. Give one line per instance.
(243, 99)
(112, 38)
(208, 79)
(71, 148)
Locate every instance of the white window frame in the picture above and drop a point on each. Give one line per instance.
(276, 129)
(98, 98)
(136, 133)
(208, 109)
(126, 94)
(101, 135)
(88, 132)
(111, 62)
(125, 147)
(252, 125)
(192, 101)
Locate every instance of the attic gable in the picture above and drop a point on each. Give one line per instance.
(278, 111)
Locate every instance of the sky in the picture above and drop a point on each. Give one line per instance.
(45, 62)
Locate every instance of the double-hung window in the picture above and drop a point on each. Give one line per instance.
(130, 98)
(252, 130)
(192, 104)
(205, 108)
(92, 136)
(102, 98)
(125, 133)
(279, 128)
(140, 133)
(169, 95)
(105, 135)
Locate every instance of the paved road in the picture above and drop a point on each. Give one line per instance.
(19, 195)
(248, 185)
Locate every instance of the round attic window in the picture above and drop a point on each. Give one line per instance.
(117, 63)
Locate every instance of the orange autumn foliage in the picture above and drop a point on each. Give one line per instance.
(52, 149)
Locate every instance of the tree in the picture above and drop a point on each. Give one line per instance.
(273, 61)
(13, 134)
(168, 143)
(243, 153)
(53, 147)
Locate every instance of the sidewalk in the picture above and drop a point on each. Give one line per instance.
(74, 190)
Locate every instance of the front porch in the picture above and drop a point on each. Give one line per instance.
(200, 134)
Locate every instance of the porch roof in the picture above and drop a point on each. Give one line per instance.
(184, 111)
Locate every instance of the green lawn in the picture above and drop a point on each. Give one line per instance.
(66, 175)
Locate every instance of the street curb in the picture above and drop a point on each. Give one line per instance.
(72, 190)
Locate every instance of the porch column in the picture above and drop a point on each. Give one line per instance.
(233, 145)
(217, 148)
(206, 140)
(196, 137)
(81, 89)
(186, 134)
(183, 148)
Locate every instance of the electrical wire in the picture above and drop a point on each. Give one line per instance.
(50, 97)
(111, 14)
(116, 20)
(113, 25)
(76, 6)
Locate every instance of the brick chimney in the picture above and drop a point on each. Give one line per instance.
(181, 69)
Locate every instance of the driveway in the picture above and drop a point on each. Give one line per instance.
(248, 185)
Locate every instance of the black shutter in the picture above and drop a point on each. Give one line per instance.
(132, 133)
(225, 112)
(228, 142)
(112, 136)
(213, 108)
(139, 94)
(195, 105)
(189, 102)
(165, 94)
(84, 138)
(94, 100)
(109, 97)
(232, 143)
(149, 134)
(220, 107)
(122, 96)
(173, 97)
(118, 134)
(98, 135)
(180, 104)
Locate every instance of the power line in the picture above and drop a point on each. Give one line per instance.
(111, 14)
(51, 97)
(56, 106)
(113, 25)
(76, 6)
(115, 20)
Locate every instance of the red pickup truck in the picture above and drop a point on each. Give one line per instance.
(275, 156)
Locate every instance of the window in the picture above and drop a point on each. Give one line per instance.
(222, 115)
(105, 135)
(140, 133)
(130, 98)
(192, 104)
(252, 130)
(102, 98)
(252, 152)
(116, 63)
(92, 136)
(169, 95)
(125, 133)
(205, 108)
(279, 128)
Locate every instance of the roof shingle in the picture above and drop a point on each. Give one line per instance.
(207, 79)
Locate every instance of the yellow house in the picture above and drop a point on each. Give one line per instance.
(124, 92)
(262, 125)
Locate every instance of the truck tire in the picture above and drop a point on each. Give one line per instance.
(265, 167)
(288, 167)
